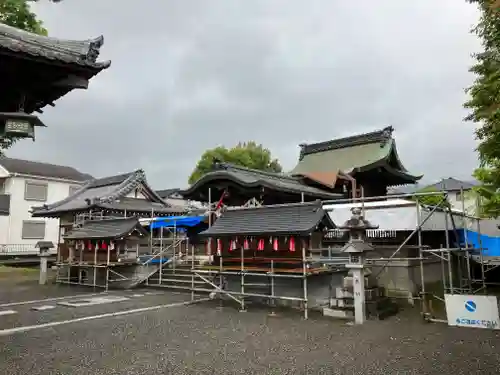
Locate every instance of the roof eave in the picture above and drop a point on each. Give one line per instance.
(256, 233)
(211, 176)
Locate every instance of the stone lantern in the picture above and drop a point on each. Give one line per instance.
(357, 247)
(45, 247)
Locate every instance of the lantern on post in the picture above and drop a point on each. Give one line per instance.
(18, 125)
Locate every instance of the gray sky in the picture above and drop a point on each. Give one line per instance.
(190, 75)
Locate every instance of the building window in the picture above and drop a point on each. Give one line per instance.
(35, 191)
(2, 186)
(33, 230)
(73, 189)
(458, 196)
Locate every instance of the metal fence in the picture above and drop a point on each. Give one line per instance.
(20, 249)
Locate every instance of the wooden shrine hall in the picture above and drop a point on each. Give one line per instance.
(100, 252)
(365, 164)
(264, 254)
(282, 234)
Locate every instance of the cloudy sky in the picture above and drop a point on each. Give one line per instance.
(193, 74)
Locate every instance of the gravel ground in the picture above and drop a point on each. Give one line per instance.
(202, 339)
(30, 290)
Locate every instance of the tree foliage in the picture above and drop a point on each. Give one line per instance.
(249, 155)
(432, 200)
(484, 105)
(17, 13)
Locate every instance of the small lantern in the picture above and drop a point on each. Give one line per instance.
(18, 125)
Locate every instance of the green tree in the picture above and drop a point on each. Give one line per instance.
(249, 155)
(17, 13)
(432, 200)
(484, 106)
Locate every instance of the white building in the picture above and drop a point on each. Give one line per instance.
(24, 184)
(460, 194)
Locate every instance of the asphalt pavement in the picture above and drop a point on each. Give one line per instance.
(205, 339)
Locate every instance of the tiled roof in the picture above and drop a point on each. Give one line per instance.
(251, 178)
(379, 136)
(297, 218)
(34, 168)
(106, 229)
(451, 184)
(354, 154)
(166, 193)
(110, 193)
(80, 52)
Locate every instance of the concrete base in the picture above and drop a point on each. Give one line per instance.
(338, 313)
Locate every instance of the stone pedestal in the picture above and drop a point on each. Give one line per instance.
(359, 292)
(44, 254)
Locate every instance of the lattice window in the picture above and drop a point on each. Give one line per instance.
(33, 230)
(35, 191)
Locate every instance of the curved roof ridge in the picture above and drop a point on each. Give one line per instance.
(83, 52)
(315, 203)
(382, 136)
(278, 175)
(133, 180)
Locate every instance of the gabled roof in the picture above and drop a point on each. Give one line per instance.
(106, 229)
(252, 178)
(79, 52)
(451, 184)
(110, 193)
(286, 219)
(34, 168)
(354, 154)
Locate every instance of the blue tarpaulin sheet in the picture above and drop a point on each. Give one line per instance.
(489, 244)
(177, 221)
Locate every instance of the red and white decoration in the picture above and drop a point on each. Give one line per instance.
(291, 244)
(219, 247)
(260, 245)
(246, 245)
(233, 245)
(275, 244)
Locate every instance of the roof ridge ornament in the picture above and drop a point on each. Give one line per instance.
(383, 135)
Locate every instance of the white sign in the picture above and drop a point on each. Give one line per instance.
(472, 311)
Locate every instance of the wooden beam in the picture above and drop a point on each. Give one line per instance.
(72, 82)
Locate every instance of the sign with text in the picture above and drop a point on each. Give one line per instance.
(472, 311)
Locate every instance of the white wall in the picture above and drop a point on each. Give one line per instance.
(20, 210)
(469, 202)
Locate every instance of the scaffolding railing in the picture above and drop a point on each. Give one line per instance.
(457, 261)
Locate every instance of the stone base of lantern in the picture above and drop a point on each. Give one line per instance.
(377, 305)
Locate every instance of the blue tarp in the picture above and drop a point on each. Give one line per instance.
(490, 245)
(145, 258)
(177, 221)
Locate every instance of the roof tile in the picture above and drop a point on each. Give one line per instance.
(297, 218)
(84, 52)
(105, 229)
(34, 168)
